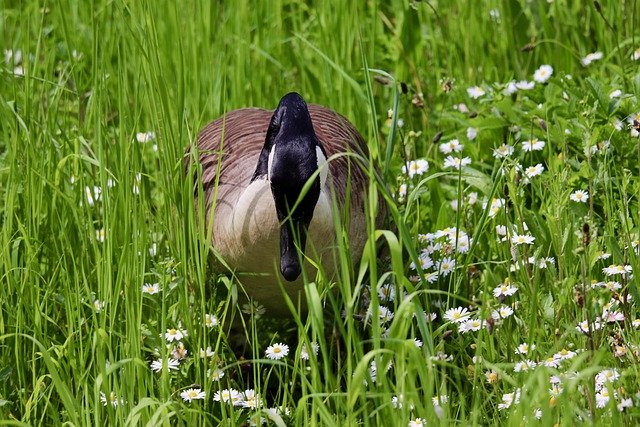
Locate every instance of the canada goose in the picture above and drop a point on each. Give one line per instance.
(255, 164)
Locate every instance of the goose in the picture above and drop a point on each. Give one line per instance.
(255, 164)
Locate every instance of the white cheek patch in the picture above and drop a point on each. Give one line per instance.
(270, 162)
(323, 166)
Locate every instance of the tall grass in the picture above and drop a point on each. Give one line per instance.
(89, 214)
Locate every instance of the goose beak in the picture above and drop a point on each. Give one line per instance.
(289, 259)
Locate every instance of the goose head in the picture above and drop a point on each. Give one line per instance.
(291, 155)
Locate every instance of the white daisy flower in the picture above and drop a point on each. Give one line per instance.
(158, 364)
(93, 195)
(442, 357)
(624, 403)
(509, 399)
(417, 422)
(451, 146)
(617, 124)
(533, 145)
(425, 261)
(532, 171)
(614, 269)
(402, 191)
(469, 325)
(579, 196)
(151, 288)
(462, 107)
(387, 292)
(445, 265)
(457, 315)
(251, 399)
(555, 390)
(525, 85)
(210, 320)
(464, 244)
(175, 334)
(206, 352)
(385, 314)
(471, 133)
(612, 285)
(475, 92)
(456, 162)
(98, 305)
(502, 313)
(564, 354)
(496, 205)
(595, 56)
(112, 399)
(504, 290)
(473, 198)
(602, 398)
(525, 348)
(416, 167)
(431, 277)
(613, 316)
(522, 239)
(442, 399)
(277, 351)
(524, 366)
(510, 88)
(632, 120)
(192, 394)
(215, 374)
(606, 376)
(144, 137)
(14, 56)
(399, 401)
(615, 94)
(543, 73)
(304, 353)
(587, 328)
(228, 395)
(503, 151)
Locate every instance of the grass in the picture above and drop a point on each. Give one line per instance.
(89, 214)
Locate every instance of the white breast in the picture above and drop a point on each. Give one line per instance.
(249, 240)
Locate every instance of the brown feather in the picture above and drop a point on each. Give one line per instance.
(228, 150)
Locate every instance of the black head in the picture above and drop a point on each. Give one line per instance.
(289, 158)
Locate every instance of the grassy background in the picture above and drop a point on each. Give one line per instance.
(96, 73)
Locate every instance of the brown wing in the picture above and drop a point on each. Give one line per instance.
(228, 150)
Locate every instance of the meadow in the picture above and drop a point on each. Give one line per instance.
(506, 135)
